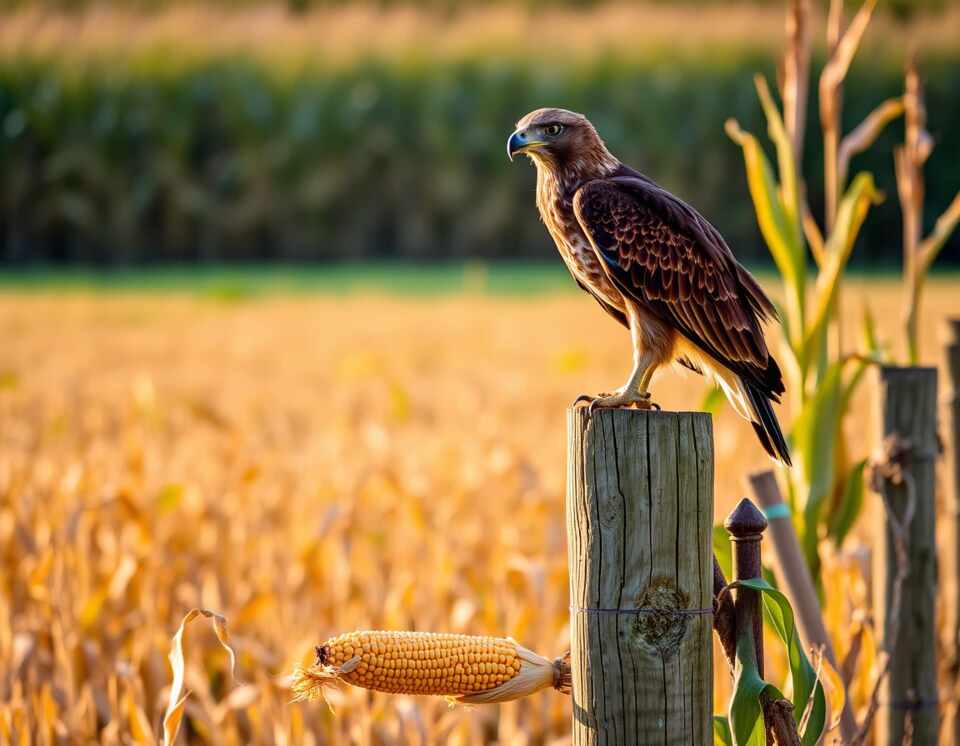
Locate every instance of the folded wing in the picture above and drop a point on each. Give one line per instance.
(665, 256)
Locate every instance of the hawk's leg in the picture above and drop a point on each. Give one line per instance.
(634, 393)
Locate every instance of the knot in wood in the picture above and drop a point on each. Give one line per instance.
(661, 627)
(745, 521)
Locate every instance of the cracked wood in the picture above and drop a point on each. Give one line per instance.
(639, 523)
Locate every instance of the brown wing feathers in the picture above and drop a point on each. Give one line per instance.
(674, 276)
(664, 255)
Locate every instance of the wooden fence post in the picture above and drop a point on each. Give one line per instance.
(908, 411)
(793, 577)
(639, 527)
(950, 547)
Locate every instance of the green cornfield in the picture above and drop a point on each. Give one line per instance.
(180, 152)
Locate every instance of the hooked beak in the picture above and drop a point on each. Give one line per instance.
(519, 143)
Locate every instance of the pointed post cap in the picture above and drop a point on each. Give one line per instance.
(745, 520)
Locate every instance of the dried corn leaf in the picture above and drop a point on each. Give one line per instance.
(867, 132)
(139, 724)
(178, 697)
(836, 69)
(834, 689)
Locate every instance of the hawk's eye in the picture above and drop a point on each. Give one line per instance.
(552, 130)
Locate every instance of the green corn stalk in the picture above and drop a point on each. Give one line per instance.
(824, 489)
(744, 724)
(820, 386)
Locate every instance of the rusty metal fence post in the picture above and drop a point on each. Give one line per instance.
(746, 525)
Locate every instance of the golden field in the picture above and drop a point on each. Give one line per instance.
(306, 465)
(343, 34)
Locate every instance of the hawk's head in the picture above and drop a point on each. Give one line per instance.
(560, 140)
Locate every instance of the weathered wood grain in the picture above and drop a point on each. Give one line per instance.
(950, 544)
(908, 409)
(639, 523)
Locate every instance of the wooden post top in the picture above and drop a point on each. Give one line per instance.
(582, 413)
(908, 404)
(635, 411)
(906, 371)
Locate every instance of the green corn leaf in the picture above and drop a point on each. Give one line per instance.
(791, 497)
(873, 347)
(814, 435)
(779, 231)
(721, 549)
(713, 400)
(746, 712)
(721, 730)
(777, 133)
(850, 216)
(802, 674)
(868, 333)
(767, 574)
(843, 519)
(851, 386)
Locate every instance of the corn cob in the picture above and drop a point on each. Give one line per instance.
(466, 668)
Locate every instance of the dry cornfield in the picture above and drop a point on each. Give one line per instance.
(307, 465)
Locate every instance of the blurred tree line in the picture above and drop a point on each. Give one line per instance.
(230, 160)
(901, 8)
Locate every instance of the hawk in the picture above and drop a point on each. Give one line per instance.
(655, 265)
